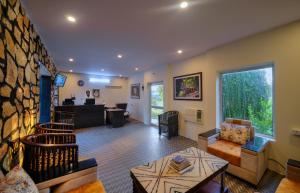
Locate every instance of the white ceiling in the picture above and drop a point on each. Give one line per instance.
(147, 32)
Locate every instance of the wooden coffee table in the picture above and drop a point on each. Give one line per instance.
(158, 177)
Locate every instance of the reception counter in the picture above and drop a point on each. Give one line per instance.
(84, 115)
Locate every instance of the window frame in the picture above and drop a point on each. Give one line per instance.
(254, 67)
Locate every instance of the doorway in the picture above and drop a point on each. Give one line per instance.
(156, 101)
(45, 99)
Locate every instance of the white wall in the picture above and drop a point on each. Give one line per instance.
(108, 96)
(140, 108)
(279, 46)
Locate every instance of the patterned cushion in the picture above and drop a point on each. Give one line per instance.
(17, 180)
(234, 133)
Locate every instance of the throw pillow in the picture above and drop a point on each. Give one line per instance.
(234, 133)
(17, 180)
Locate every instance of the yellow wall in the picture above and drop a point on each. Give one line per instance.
(280, 46)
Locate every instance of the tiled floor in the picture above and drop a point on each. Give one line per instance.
(119, 149)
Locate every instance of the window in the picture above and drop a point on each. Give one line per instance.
(248, 94)
(157, 101)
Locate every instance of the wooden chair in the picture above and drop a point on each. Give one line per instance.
(52, 127)
(248, 161)
(124, 107)
(291, 183)
(168, 123)
(49, 155)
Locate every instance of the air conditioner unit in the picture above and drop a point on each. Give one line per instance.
(194, 116)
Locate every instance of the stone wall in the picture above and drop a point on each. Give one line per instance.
(21, 52)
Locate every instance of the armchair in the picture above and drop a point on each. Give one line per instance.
(248, 161)
(168, 123)
(124, 107)
(291, 183)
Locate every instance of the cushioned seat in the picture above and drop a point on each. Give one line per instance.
(227, 150)
(288, 186)
(94, 187)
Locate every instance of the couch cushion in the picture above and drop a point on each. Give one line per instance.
(288, 186)
(227, 150)
(94, 187)
(235, 133)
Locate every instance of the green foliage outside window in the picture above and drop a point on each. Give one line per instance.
(248, 95)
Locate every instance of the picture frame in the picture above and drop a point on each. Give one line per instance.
(135, 91)
(96, 93)
(188, 87)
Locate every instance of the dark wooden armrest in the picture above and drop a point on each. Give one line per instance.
(293, 163)
(257, 144)
(211, 133)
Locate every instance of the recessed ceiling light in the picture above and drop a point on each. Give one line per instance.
(136, 69)
(71, 60)
(179, 51)
(71, 19)
(120, 56)
(184, 4)
(71, 70)
(102, 70)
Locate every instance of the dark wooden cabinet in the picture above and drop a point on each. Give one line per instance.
(84, 115)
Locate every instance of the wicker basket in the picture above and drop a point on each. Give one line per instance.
(49, 155)
(54, 128)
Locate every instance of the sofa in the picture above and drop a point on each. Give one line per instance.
(247, 160)
(291, 183)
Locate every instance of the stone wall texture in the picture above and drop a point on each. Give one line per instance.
(21, 52)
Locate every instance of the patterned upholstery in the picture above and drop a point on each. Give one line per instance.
(227, 150)
(17, 180)
(235, 133)
(246, 123)
(288, 186)
(94, 187)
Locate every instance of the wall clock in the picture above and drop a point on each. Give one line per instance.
(80, 82)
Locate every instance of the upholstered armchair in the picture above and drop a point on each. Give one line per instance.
(247, 160)
(291, 183)
(168, 124)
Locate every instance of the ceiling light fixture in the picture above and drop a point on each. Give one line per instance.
(120, 56)
(71, 70)
(120, 75)
(71, 60)
(102, 70)
(179, 51)
(101, 80)
(71, 19)
(136, 69)
(184, 4)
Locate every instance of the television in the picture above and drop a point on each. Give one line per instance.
(60, 80)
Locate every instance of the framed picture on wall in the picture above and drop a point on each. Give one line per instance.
(188, 87)
(135, 91)
(96, 93)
